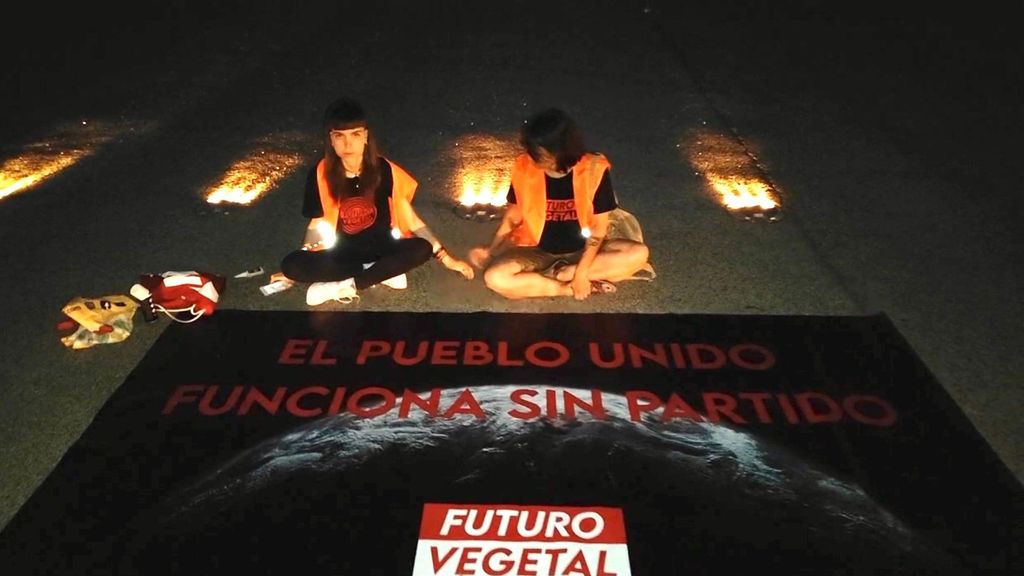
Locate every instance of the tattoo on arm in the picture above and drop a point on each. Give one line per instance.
(595, 240)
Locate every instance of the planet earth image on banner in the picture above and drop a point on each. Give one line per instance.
(344, 495)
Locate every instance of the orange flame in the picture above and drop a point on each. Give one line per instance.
(41, 160)
(738, 194)
(481, 188)
(483, 166)
(731, 172)
(20, 173)
(250, 178)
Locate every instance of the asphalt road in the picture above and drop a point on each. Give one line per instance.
(891, 139)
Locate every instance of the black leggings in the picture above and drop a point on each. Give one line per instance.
(347, 258)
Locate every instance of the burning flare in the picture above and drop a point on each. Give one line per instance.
(250, 178)
(483, 166)
(42, 160)
(733, 173)
(19, 173)
(739, 194)
(481, 188)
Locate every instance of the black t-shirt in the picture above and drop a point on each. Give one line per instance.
(562, 231)
(358, 218)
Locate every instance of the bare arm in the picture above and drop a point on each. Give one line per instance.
(421, 230)
(513, 217)
(417, 226)
(510, 221)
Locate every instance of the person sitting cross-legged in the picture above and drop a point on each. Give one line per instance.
(552, 239)
(365, 200)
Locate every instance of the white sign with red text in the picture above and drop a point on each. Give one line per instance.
(504, 540)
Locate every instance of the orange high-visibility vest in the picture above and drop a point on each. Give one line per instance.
(404, 186)
(531, 194)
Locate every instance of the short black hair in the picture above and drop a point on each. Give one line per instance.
(554, 131)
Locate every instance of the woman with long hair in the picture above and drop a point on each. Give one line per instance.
(363, 229)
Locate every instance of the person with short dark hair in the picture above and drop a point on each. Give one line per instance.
(363, 229)
(552, 239)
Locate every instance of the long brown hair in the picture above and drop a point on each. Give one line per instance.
(345, 114)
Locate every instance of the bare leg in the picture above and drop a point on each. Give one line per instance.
(509, 280)
(618, 259)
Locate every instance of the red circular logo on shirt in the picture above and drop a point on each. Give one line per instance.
(356, 214)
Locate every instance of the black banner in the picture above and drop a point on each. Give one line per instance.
(361, 443)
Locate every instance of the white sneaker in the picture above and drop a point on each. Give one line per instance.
(343, 291)
(399, 282)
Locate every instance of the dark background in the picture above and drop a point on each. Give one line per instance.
(891, 132)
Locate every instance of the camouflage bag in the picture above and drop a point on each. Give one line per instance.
(102, 320)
